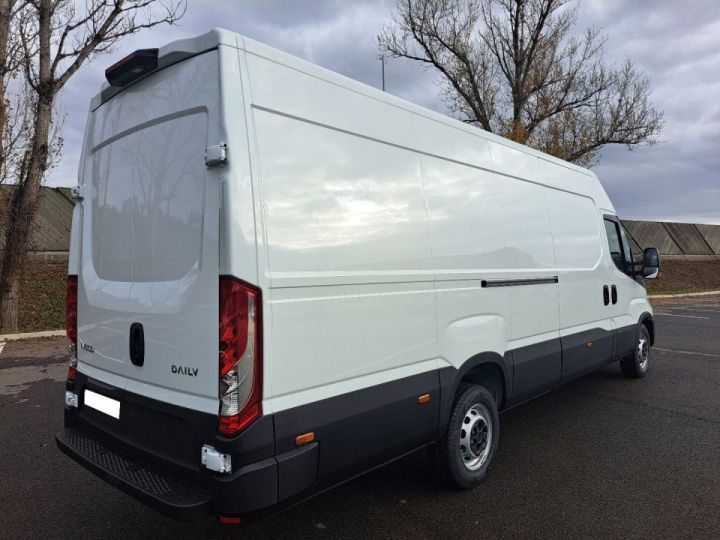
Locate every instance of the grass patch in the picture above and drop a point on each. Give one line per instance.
(682, 276)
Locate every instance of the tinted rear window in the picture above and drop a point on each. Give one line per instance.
(148, 212)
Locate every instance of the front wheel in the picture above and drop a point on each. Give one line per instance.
(464, 455)
(636, 365)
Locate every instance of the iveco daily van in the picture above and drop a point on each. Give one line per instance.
(281, 278)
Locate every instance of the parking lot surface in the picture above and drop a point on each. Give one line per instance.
(600, 457)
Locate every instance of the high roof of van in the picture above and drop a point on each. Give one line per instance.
(178, 50)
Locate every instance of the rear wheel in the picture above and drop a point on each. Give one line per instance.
(636, 365)
(464, 455)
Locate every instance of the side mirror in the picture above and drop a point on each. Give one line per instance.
(651, 263)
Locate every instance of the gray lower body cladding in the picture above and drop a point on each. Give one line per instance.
(153, 450)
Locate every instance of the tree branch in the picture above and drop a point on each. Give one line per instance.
(513, 67)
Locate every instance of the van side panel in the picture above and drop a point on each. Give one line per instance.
(529, 253)
(300, 94)
(496, 214)
(470, 318)
(582, 270)
(351, 283)
(489, 228)
(342, 211)
(240, 224)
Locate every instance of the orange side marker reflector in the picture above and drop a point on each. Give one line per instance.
(230, 520)
(304, 438)
(424, 399)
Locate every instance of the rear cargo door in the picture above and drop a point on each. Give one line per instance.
(149, 276)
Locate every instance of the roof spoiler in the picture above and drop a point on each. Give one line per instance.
(143, 62)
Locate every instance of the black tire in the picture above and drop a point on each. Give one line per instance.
(636, 365)
(448, 457)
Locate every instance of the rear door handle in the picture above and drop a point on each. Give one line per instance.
(606, 295)
(137, 344)
(614, 294)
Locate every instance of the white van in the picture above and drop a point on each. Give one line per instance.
(281, 278)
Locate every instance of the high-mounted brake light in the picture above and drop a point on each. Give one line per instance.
(132, 67)
(240, 357)
(71, 324)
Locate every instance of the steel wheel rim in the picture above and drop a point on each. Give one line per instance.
(643, 353)
(476, 434)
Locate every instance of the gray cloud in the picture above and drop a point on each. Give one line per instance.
(676, 43)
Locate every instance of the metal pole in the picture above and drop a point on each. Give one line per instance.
(382, 60)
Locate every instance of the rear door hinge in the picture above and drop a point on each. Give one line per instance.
(76, 193)
(216, 155)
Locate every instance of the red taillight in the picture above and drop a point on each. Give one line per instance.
(230, 520)
(234, 301)
(240, 357)
(232, 425)
(71, 324)
(71, 309)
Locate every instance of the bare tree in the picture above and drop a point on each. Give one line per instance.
(16, 134)
(57, 38)
(512, 68)
(15, 108)
(10, 57)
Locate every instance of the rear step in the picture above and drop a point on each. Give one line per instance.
(167, 495)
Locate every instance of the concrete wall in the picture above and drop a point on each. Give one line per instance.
(711, 235)
(652, 234)
(681, 240)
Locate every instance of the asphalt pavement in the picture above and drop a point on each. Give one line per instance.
(601, 457)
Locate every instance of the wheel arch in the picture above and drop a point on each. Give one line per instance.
(488, 369)
(648, 321)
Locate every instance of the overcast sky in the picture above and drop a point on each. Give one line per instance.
(677, 43)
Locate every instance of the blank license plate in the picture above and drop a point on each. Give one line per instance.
(104, 404)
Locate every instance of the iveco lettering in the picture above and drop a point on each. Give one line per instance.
(289, 278)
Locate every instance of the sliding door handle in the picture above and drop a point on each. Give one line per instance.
(614, 294)
(606, 295)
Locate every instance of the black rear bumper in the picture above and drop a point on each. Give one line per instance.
(153, 452)
(251, 491)
(168, 495)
